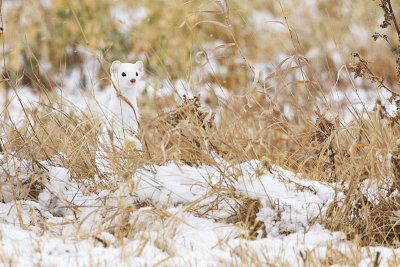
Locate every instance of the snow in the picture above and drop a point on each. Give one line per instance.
(128, 17)
(16, 99)
(82, 226)
(296, 201)
(264, 20)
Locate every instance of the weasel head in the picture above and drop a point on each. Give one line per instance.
(125, 75)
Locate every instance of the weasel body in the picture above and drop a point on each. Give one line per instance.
(122, 115)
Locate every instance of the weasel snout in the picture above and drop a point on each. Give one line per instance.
(133, 80)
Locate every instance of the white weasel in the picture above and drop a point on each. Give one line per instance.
(122, 116)
(124, 113)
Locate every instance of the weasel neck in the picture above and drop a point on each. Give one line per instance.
(131, 97)
(125, 115)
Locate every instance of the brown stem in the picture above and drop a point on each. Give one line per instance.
(394, 19)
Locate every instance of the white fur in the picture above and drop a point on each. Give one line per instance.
(122, 118)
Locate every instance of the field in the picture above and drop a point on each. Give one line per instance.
(270, 133)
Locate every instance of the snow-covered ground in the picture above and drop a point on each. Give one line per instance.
(71, 225)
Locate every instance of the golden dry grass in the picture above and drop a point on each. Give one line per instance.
(178, 38)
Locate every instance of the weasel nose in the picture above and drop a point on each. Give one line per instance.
(133, 80)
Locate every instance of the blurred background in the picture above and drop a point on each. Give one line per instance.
(64, 42)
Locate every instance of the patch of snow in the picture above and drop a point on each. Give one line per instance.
(264, 20)
(128, 17)
(78, 233)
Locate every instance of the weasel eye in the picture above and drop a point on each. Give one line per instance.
(137, 74)
(123, 74)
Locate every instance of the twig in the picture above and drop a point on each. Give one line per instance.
(361, 69)
(126, 100)
(4, 74)
(2, 35)
(394, 18)
(376, 261)
(79, 24)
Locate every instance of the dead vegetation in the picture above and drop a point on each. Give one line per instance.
(49, 132)
(254, 122)
(185, 133)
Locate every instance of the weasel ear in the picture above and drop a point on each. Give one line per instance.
(114, 66)
(139, 64)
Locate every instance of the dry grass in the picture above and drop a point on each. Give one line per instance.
(50, 131)
(175, 42)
